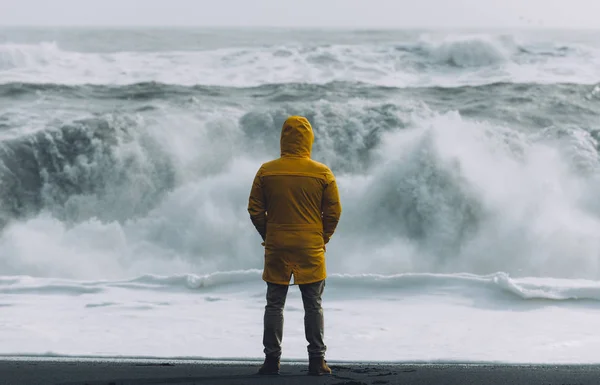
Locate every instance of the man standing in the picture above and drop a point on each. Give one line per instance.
(294, 205)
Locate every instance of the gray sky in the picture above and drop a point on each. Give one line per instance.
(304, 13)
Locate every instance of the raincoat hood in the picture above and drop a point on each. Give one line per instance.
(297, 137)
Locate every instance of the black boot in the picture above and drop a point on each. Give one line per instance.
(270, 367)
(318, 366)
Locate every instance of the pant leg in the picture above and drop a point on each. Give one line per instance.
(273, 319)
(314, 326)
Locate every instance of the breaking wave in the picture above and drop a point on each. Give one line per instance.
(28, 56)
(432, 61)
(105, 167)
(122, 163)
(423, 191)
(471, 51)
(493, 285)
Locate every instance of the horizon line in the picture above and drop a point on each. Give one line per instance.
(280, 27)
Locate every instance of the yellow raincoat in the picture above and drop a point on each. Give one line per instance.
(295, 206)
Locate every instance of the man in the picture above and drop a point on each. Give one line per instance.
(294, 204)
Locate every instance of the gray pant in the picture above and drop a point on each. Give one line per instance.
(313, 318)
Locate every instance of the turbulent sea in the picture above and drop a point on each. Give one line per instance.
(467, 163)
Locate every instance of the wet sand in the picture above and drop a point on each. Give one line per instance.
(46, 371)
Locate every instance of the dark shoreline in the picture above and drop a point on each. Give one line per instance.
(126, 371)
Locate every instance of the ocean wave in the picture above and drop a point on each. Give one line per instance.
(287, 92)
(101, 160)
(14, 56)
(471, 51)
(524, 288)
(424, 191)
(460, 284)
(426, 61)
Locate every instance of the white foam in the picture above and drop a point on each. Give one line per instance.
(428, 318)
(474, 197)
(340, 286)
(480, 59)
(445, 195)
(471, 51)
(13, 56)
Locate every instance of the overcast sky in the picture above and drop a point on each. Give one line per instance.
(304, 13)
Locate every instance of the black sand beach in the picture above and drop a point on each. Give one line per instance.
(31, 371)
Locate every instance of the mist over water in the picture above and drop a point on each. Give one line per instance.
(474, 154)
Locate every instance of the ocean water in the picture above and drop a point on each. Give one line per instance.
(467, 163)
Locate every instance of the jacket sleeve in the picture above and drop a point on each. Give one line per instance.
(331, 208)
(257, 206)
